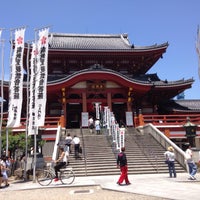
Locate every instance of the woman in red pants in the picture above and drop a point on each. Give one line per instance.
(122, 164)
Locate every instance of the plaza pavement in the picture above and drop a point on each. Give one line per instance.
(157, 185)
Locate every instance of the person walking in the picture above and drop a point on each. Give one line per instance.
(68, 142)
(170, 159)
(76, 142)
(97, 126)
(190, 162)
(91, 124)
(61, 161)
(122, 164)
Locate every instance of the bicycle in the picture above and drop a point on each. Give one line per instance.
(45, 176)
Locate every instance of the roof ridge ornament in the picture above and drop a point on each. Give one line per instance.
(96, 66)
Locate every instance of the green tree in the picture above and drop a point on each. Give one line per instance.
(17, 142)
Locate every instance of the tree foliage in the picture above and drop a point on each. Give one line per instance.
(17, 142)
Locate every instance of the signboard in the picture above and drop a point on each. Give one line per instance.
(129, 118)
(84, 118)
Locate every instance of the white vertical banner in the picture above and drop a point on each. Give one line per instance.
(105, 116)
(41, 77)
(112, 119)
(97, 110)
(122, 137)
(117, 136)
(33, 71)
(16, 81)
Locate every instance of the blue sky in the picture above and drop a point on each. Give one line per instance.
(146, 21)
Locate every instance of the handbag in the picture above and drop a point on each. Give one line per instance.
(167, 161)
(80, 149)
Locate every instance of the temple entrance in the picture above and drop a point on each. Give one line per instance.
(119, 110)
(74, 115)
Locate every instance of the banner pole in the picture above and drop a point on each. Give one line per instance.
(2, 95)
(27, 111)
(35, 149)
(35, 126)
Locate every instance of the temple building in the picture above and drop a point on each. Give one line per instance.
(85, 70)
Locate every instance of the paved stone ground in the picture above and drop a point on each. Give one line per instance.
(144, 186)
(78, 193)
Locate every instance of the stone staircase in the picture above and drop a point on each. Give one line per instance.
(144, 154)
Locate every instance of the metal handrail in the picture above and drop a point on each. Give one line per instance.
(84, 151)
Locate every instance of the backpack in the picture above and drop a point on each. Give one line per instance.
(68, 141)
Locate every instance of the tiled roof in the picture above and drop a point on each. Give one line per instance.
(94, 42)
(189, 104)
(183, 105)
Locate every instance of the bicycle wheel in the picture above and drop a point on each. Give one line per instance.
(44, 177)
(67, 176)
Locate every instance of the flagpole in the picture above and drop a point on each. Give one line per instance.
(2, 94)
(27, 110)
(36, 126)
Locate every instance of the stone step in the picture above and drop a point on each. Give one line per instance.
(144, 154)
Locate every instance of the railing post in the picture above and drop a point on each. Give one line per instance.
(62, 121)
(141, 119)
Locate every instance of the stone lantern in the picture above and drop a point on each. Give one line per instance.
(190, 131)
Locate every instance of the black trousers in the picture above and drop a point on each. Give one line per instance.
(76, 150)
(58, 166)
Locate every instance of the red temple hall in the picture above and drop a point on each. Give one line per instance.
(85, 69)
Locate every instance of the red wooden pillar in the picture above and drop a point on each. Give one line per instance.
(84, 102)
(64, 109)
(109, 101)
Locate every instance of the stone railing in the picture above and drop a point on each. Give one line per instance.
(164, 141)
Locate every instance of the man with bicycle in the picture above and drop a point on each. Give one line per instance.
(61, 161)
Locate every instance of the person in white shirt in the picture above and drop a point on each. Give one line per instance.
(91, 124)
(190, 162)
(76, 143)
(61, 161)
(68, 141)
(97, 126)
(170, 158)
(4, 169)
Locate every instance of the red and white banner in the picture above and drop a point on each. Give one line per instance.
(16, 81)
(31, 119)
(38, 82)
(41, 77)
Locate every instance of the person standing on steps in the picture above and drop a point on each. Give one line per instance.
(97, 126)
(68, 142)
(170, 158)
(91, 124)
(122, 164)
(76, 143)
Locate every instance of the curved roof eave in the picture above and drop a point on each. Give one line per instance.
(98, 74)
(119, 78)
(171, 84)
